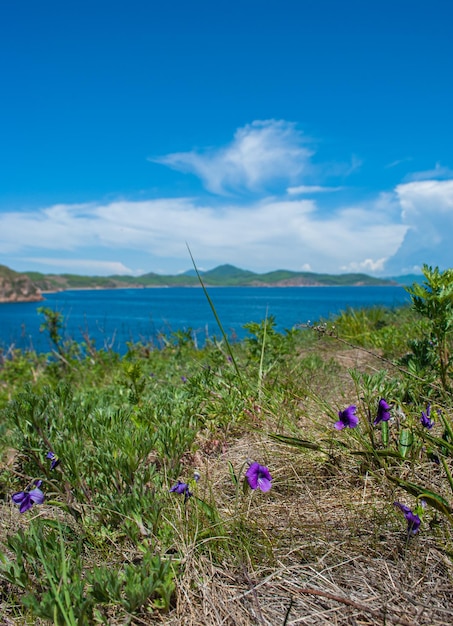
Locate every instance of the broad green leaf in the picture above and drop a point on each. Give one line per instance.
(405, 441)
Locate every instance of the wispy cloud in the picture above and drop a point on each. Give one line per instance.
(93, 266)
(311, 189)
(439, 172)
(261, 154)
(398, 162)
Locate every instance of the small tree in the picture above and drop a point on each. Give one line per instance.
(53, 324)
(434, 300)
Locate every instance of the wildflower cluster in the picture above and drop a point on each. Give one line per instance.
(405, 439)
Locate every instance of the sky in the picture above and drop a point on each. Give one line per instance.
(312, 135)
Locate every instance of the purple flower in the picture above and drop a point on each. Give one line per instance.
(258, 477)
(184, 379)
(26, 499)
(383, 412)
(425, 420)
(413, 520)
(182, 488)
(348, 418)
(54, 459)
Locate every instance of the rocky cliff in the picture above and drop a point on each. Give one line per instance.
(15, 287)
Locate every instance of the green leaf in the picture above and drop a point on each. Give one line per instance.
(440, 443)
(405, 441)
(234, 478)
(387, 452)
(296, 442)
(385, 433)
(432, 498)
(208, 510)
(447, 426)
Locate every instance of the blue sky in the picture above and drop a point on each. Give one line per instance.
(298, 134)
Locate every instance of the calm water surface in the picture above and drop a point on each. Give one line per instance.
(115, 316)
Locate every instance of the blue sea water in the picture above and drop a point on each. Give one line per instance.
(114, 317)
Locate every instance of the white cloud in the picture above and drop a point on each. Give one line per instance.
(423, 203)
(367, 266)
(427, 211)
(93, 266)
(261, 154)
(260, 235)
(439, 172)
(310, 189)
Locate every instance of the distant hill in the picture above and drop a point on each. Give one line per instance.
(16, 287)
(409, 279)
(221, 276)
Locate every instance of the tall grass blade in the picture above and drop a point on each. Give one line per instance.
(260, 370)
(219, 323)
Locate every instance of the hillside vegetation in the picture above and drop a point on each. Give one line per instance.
(302, 477)
(222, 276)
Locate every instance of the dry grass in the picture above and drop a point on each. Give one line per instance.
(326, 545)
(325, 550)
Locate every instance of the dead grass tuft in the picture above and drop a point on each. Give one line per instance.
(326, 550)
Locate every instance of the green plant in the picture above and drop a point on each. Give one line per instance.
(433, 299)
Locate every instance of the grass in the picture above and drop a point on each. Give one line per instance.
(325, 545)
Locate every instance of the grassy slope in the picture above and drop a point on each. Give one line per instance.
(324, 546)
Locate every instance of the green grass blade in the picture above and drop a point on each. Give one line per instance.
(219, 323)
(296, 442)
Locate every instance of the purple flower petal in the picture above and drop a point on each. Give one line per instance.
(26, 499)
(26, 504)
(54, 459)
(179, 487)
(425, 420)
(259, 477)
(18, 497)
(413, 520)
(36, 496)
(383, 412)
(348, 418)
(182, 488)
(405, 509)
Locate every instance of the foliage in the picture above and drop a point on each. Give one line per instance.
(434, 301)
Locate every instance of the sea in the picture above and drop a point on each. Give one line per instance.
(115, 317)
